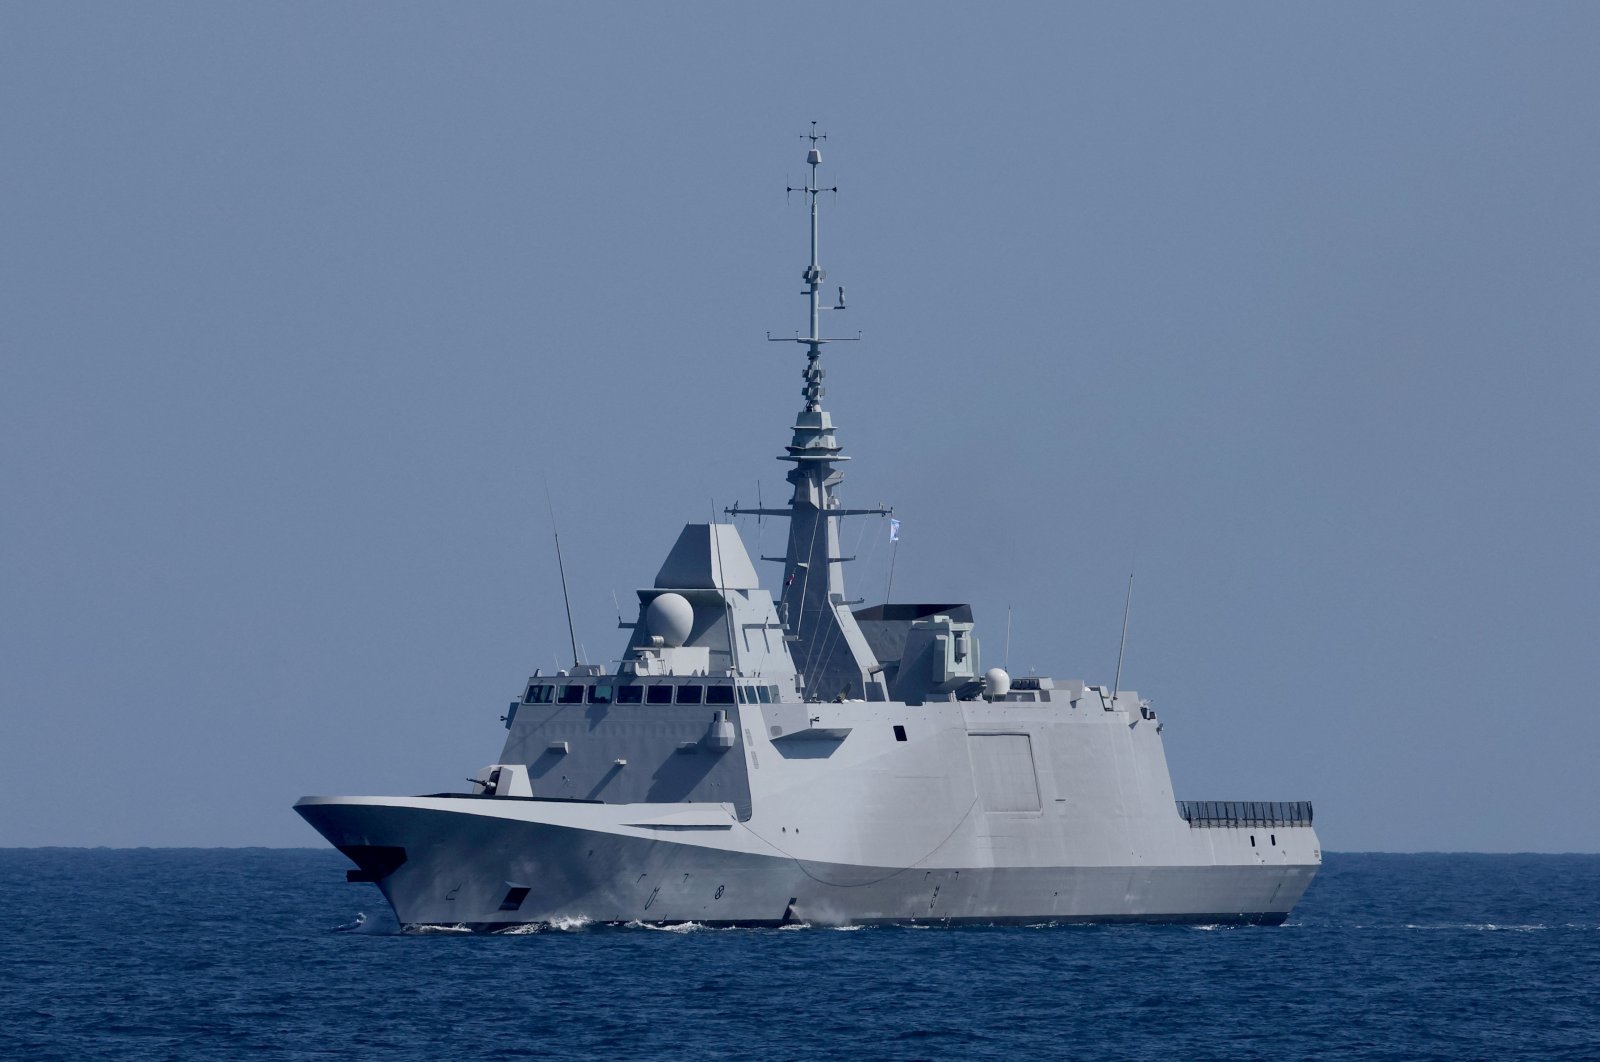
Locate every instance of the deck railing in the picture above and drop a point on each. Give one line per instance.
(1200, 813)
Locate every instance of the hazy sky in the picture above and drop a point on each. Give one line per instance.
(1292, 306)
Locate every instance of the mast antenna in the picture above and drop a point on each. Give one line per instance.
(566, 599)
(812, 602)
(1116, 683)
(1008, 640)
(813, 276)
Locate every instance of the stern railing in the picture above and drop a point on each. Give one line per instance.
(1219, 813)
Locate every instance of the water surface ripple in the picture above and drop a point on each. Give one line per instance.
(255, 953)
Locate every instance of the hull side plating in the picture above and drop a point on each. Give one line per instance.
(464, 867)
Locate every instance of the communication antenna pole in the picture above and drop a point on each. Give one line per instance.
(813, 274)
(894, 554)
(720, 582)
(1116, 683)
(812, 604)
(1008, 642)
(566, 599)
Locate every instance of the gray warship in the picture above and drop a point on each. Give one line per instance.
(762, 760)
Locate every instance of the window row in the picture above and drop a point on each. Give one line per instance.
(584, 693)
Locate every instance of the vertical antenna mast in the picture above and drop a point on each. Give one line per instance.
(823, 636)
(1116, 683)
(566, 599)
(1008, 644)
(814, 276)
(562, 568)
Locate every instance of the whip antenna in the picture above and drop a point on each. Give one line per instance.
(1116, 683)
(566, 599)
(1008, 643)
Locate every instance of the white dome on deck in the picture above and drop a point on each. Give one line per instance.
(670, 617)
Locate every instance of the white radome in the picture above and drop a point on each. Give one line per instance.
(996, 683)
(670, 617)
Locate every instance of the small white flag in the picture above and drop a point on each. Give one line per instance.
(894, 530)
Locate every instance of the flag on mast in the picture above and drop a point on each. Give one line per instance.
(894, 530)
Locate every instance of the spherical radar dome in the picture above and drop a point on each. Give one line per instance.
(670, 617)
(996, 683)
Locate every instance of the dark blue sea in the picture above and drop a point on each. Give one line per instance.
(259, 953)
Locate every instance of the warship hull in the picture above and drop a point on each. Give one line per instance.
(760, 757)
(489, 865)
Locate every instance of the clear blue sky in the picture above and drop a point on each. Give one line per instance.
(1293, 306)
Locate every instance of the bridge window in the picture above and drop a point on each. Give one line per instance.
(764, 694)
(630, 694)
(538, 694)
(719, 694)
(689, 694)
(658, 695)
(571, 695)
(599, 694)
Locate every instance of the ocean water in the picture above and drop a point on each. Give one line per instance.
(258, 953)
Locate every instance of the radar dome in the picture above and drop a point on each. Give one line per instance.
(996, 683)
(670, 617)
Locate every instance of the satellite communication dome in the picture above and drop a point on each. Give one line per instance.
(996, 683)
(670, 617)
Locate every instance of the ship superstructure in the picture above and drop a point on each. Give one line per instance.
(760, 760)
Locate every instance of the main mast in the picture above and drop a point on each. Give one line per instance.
(828, 647)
